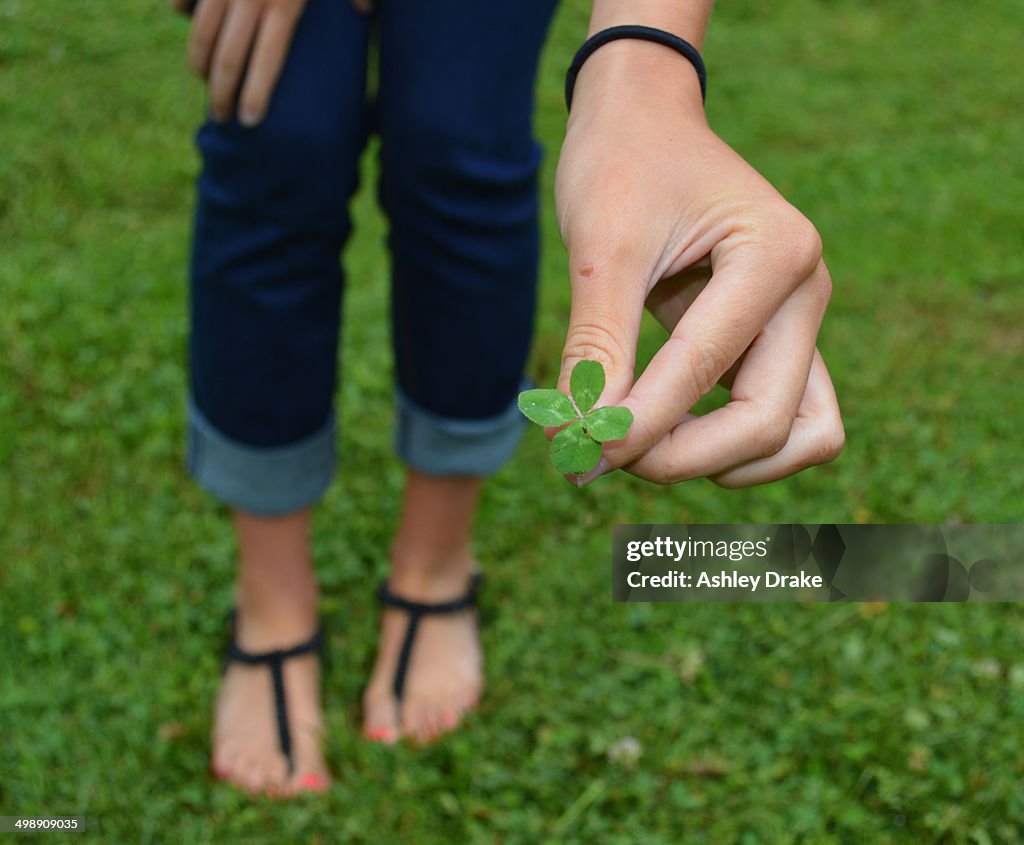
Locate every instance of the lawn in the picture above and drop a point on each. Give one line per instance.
(894, 126)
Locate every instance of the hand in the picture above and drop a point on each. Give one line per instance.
(654, 208)
(232, 39)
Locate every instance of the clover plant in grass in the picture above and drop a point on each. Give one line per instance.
(577, 447)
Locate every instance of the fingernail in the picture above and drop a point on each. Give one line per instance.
(584, 479)
(248, 119)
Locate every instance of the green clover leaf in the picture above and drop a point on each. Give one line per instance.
(586, 384)
(609, 423)
(547, 407)
(576, 449)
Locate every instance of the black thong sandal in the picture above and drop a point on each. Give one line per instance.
(417, 610)
(275, 660)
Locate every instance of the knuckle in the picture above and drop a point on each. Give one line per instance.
(662, 477)
(828, 443)
(228, 67)
(728, 481)
(772, 436)
(807, 247)
(797, 243)
(591, 340)
(823, 285)
(656, 472)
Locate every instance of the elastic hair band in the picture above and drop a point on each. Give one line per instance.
(644, 33)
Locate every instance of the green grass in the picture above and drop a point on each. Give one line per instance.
(894, 126)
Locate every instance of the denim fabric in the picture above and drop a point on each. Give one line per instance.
(264, 481)
(458, 181)
(437, 445)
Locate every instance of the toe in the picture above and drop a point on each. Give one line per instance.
(380, 719)
(220, 763)
(246, 773)
(382, 733)
(258, 774)
(450, 718)
(309, 782)
(423, 722)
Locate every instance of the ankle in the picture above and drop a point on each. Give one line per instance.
(424, 575)
(266, 622)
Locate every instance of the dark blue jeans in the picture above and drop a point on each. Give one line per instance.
(458, 182)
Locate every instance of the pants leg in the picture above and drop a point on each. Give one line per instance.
(459, 171)
(266, 282)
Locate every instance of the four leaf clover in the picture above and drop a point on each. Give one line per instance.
(577, 447)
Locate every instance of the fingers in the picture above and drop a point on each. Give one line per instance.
(748, 287)
(231, 55)
(268, 56)
(232, 39)
(765, 397)
(817, 436)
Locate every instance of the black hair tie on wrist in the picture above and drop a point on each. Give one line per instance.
(644, 33)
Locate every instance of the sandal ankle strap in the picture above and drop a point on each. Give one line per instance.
(463, 602)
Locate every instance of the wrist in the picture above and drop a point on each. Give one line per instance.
(642, 73)
(687, 20)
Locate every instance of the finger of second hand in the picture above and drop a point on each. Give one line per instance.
(766, 395)
(265, 64)
(206, 25)
(230, 56)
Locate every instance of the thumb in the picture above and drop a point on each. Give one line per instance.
(604, 320)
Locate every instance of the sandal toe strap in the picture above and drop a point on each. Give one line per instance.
(275, 659)
(416, 611)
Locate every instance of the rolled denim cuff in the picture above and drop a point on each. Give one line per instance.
(259, 480)
(437, 445)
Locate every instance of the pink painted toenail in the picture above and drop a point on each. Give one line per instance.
(381, 734)
(316, 783)
(450, 719)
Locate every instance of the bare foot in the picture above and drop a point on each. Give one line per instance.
(246, 749)
(445, 675)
